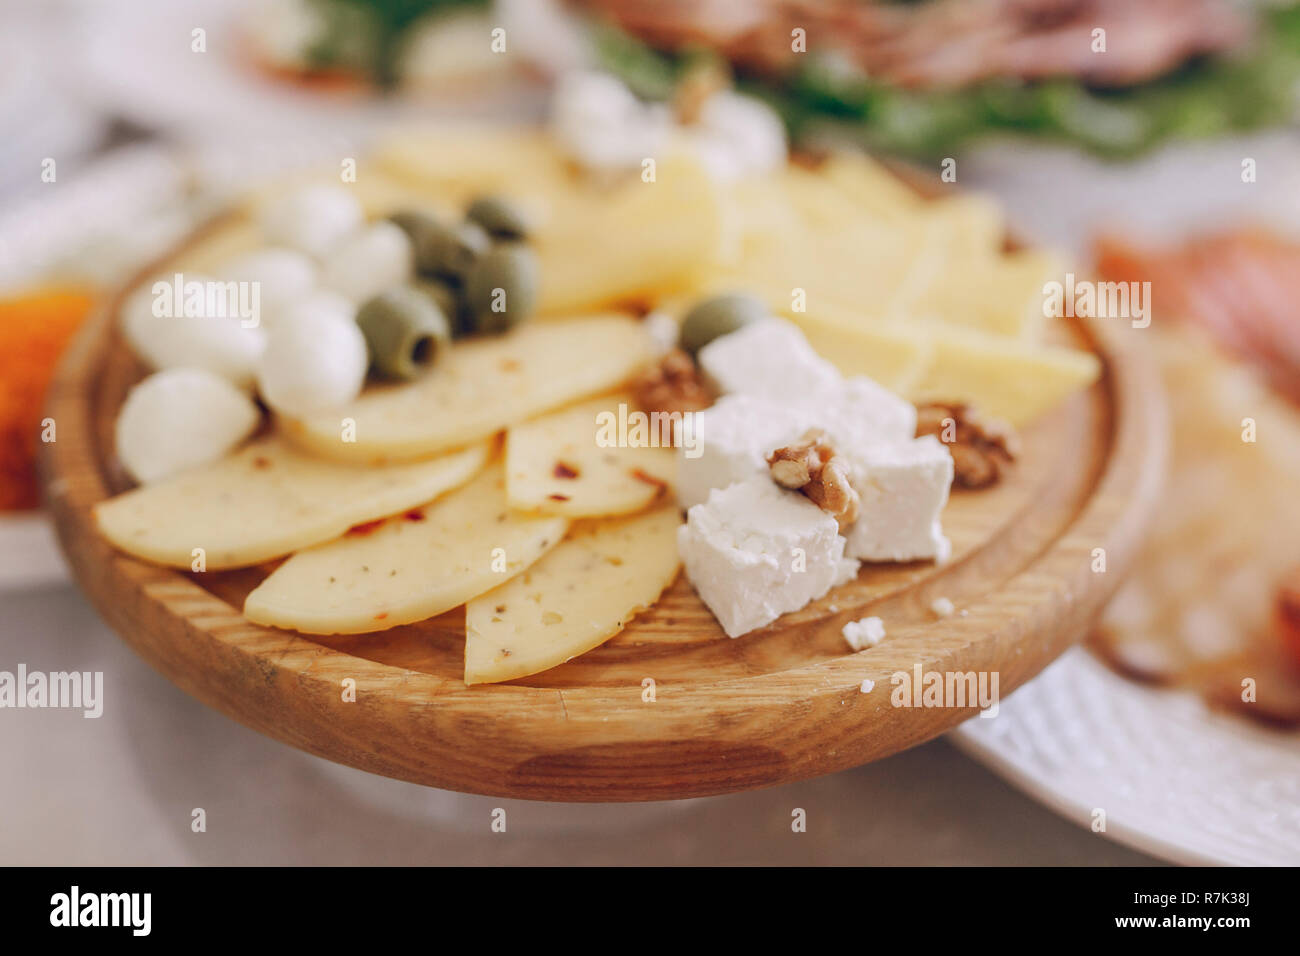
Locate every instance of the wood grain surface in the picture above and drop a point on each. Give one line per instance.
(777, 705)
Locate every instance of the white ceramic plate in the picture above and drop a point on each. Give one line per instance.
(1174, 779)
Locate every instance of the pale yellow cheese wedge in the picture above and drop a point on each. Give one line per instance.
(870, 268)
(570, 462)
(269, 499)
(1007, 378)
(480, 387)
(409, 568)
(873, 190)
(576, 598)
(889, 355)
(1002, 294)
(458, 163)
(638, 241)
(970, 225)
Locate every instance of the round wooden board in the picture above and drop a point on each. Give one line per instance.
(777, 705)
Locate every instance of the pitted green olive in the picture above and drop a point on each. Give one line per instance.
(718, 316)
(501, 218)
(450, 298)
(440, 249)
(404, 329)
(501, 288)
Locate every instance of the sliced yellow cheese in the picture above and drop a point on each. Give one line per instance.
(639, 241)
(970, 225)
(890, 356)
(269, 499)
(1002, 294)
(460, 163)
(408, 568)
(478, 388)
(571, 462)
(875, 190)
(576, 598)
(1004, 377)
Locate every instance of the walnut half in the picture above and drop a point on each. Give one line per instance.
(811, 466)
(673, 385)
(982, 448)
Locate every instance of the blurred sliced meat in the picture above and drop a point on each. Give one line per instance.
(1213, 604)
(1242, 286)
(947, 43)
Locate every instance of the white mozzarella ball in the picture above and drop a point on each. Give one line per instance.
(738, 136)
(602, 125)
(282, 276)
(316, 306)
(165, 332)
(369, 262)
(180, 418)
(313, 365)
(312, 218)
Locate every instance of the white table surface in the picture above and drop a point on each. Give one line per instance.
(121, 789)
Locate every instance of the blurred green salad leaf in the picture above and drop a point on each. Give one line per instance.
(830, 97)
(367, 35)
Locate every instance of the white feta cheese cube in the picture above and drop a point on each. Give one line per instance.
(858, 413)
(903, 488)
(769, 358)
(754, 551)
(735, 435)
(731, 442)
(865, 633)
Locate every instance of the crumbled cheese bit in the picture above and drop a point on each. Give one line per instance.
(663, 331)
(867, 686)
(867, 632)
(942, 607)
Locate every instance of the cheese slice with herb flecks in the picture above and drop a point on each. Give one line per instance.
(478, 388)
(575, 598)
(407, 568)
(572, 462)
(267, 500)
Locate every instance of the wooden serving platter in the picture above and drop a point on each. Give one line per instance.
(671, 707)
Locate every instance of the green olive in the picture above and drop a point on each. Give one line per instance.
(404, 329)
(501, 218)
(449, 297)
(441, 249)
(501, 289)
(716, 317)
